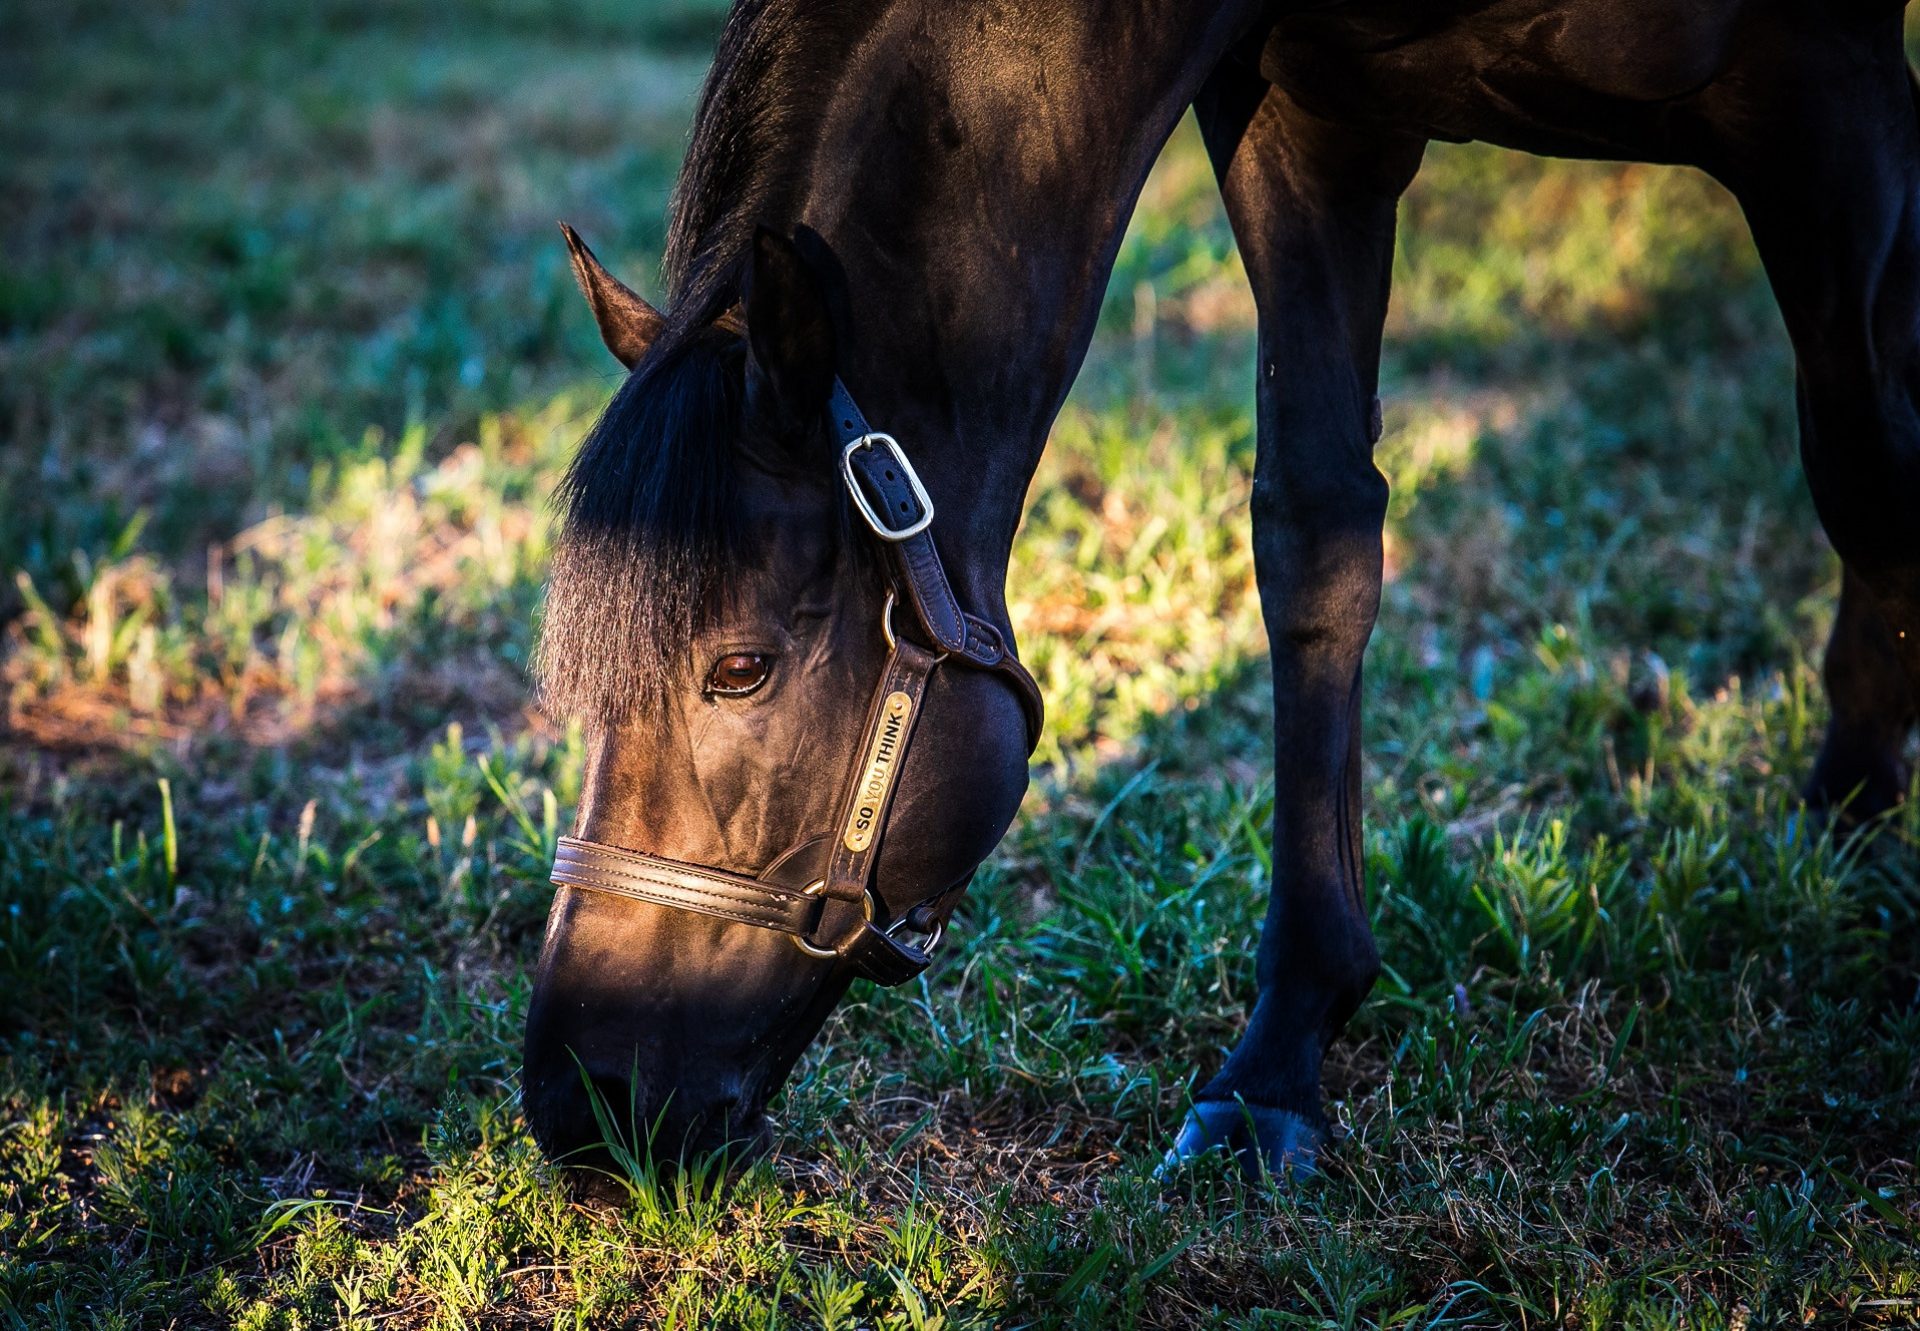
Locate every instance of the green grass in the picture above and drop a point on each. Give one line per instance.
(288, 363)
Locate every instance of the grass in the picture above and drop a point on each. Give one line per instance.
(288, 364)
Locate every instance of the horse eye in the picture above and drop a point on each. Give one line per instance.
(738, 675)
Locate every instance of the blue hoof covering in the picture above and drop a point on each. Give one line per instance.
(1274, 1142)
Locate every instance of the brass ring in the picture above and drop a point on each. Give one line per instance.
(826, 953)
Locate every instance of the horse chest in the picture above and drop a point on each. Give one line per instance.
(1593, 77)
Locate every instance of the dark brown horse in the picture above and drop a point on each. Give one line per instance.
(788, 630)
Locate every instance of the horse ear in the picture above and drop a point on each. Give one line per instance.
(628, 324)
(790, 342)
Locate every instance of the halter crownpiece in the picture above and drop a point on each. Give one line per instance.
(832, 915)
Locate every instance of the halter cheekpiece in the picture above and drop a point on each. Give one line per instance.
(827, 908)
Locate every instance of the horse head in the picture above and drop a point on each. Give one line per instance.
(801, 746)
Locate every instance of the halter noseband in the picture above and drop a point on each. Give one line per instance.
(832, 916)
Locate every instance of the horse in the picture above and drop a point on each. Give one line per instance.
(777, 597)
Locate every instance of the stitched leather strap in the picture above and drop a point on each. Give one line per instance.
(916, 564)
(664, 882)
(870, 951)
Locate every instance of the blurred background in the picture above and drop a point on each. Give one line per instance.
(290, 360)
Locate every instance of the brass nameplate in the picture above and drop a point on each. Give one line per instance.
(883, 759)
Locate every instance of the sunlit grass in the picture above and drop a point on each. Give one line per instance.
(1645, 1050)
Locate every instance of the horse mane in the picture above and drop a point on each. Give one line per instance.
(753, 136)
(648, 515)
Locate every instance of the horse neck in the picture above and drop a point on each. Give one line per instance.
(973, 177)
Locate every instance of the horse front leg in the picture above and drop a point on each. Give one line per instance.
(1312, 207)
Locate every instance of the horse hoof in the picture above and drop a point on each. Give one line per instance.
(1272, 1142)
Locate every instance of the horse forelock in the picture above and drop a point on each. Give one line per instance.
(647, 530)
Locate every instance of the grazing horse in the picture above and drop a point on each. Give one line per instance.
(778, 592)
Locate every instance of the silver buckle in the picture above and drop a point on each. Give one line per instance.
(860, 501)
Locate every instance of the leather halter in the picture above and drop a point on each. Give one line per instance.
(831, 916)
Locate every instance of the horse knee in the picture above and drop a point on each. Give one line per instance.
(1338, 490)
(1318, 550)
